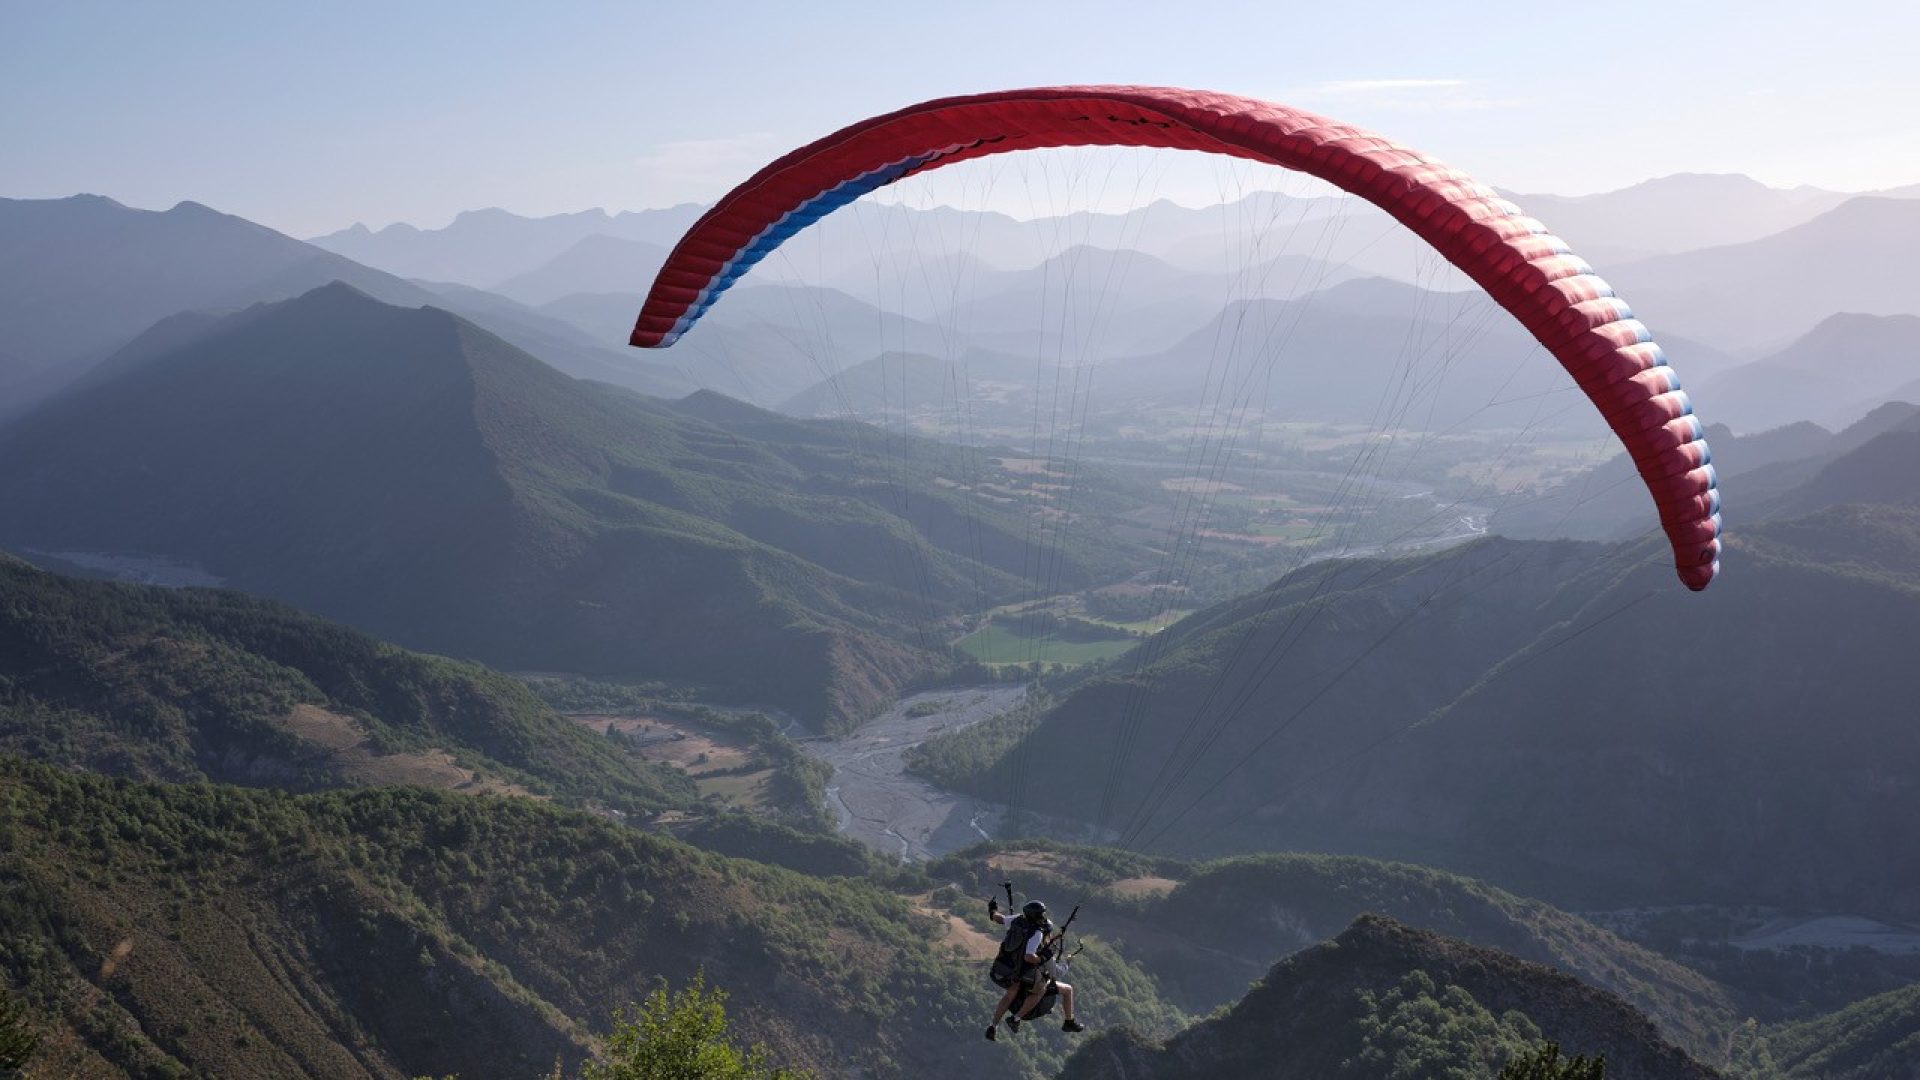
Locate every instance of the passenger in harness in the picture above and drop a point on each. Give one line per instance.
(1025, 967)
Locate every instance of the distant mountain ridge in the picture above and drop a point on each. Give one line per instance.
(473, 248)
(484, 248)
(81, 277)
(1455, 354)
(1832, 375)
(1681, 212)
(596, 263)
(1774, 473)
(1762, 293)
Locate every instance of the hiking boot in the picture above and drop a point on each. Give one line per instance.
(1013, 1025)
(992, 1032)
(1073, 1025)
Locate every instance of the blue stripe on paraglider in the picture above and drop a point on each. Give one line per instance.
(786, 226)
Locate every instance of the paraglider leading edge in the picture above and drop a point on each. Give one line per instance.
(1527, 270)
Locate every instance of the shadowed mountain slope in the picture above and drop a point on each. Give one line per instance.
(1384, 999)
(406, 472)
(1559, 719)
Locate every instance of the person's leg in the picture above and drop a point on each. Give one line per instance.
(1071, 1023)
(1006, 1002)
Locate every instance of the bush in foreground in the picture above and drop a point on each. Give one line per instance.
(681, 1036)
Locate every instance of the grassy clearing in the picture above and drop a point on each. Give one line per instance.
(745, 792)
(720, 764)
(996, 644)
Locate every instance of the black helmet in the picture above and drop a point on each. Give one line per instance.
(1035, 911)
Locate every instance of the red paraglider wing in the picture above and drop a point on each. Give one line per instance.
(1526, 269)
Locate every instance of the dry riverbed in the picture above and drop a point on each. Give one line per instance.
(880, 805)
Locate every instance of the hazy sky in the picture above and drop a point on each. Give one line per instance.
(310, 117)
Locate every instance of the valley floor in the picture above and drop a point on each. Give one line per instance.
(880, 805)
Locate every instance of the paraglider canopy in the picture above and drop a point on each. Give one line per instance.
(1526, 270)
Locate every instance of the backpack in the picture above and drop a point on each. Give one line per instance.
(1012, 957)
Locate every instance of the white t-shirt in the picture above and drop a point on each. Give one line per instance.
(1038, 938)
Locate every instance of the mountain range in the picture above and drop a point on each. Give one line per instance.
(1554, 717)
(241, 932)
(1718, 258)
(1832, 375)
(1682, 212)
(484, 248)
(1208, 932)
(595, 263)
(1762, 293)
(1418, 1004)
(1079, 291)
(320, 850)
(407, 472)
(1607, 503)
(81, 277)
(395, 932)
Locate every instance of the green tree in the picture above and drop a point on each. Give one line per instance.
(18, 1040)
(681, 1036)
(1748, 1054)
(1420, 1030)
(1544, 1062)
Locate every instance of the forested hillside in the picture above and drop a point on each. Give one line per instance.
(201, 684)
(1384, 1000)
(410, 474)
(199, 930)
(1551, 717)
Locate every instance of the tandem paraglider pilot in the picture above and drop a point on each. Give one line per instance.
(1029, 967)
